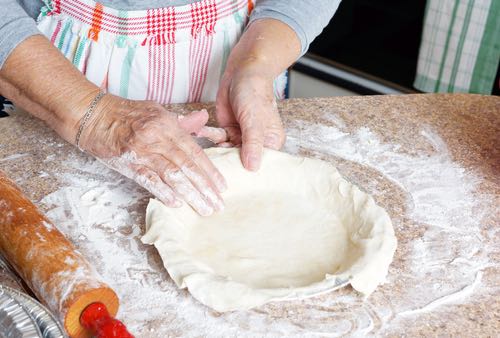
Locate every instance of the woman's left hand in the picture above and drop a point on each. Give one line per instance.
(247, 110)
(245, 103)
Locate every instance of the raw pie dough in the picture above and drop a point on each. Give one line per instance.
(294, 229)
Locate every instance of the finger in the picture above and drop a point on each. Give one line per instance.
(173, 176)
(177, 179)
(234, 134)
(226, 145)
(274, 135)
(274, 140)
(202, 184)
(198, 179)
(216, 135)
(130, 166)
(194, 121)
(252, 134)
(203, 166)
(223, 110)
(225, 114)
(150, 181)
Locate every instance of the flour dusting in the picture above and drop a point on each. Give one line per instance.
(13, 157)
(442, 266)
(445, 264)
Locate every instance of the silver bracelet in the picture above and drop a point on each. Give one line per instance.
(86, 117)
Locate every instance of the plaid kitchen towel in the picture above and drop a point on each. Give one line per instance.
(460, 48)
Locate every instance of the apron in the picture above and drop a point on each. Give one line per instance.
(174, 54)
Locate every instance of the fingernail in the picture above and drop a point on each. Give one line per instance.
(219, 205)
(226, 145)
(214, 199)
(205, 211)
(253, 162)
(176, 203)
(220, 183)
(202, 207)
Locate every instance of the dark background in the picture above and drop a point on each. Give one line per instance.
(378, 37)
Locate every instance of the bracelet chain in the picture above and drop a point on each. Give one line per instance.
(86, 117)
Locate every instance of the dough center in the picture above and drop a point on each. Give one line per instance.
(281, 241)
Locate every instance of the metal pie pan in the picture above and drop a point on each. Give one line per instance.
(15, 321)
(42, 324)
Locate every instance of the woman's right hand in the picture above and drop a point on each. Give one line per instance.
(152, 146)
(139, 139)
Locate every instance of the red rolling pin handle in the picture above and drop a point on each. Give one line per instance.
(48, 262)
(97, 320)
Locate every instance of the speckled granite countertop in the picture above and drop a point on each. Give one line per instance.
(433, 161)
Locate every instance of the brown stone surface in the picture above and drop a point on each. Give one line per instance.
(469, 126)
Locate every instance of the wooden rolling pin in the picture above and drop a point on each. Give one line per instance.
(50, 265)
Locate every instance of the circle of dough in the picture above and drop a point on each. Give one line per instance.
(294, 229)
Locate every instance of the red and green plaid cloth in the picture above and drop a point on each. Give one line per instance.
(460, 49)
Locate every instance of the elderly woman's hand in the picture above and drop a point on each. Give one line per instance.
(145, 142)
(245, 102)
(247, 110)
(139, 139)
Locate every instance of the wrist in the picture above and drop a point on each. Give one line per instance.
(87, 116)
(49, 84)
(70, 112)
(251, 65)
(267, 44)
(106, 119)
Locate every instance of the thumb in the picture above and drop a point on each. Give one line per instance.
(252, 143)
(194, 121)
